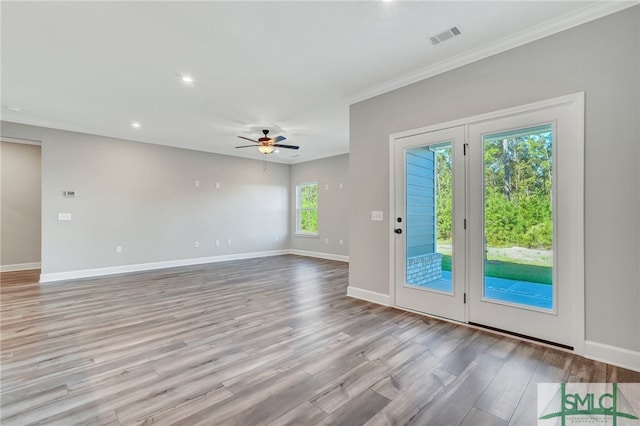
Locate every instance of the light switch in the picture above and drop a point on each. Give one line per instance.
(64, 216)
(377, 215)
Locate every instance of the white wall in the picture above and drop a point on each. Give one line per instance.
(333, 206)
(143, 198)
(20, 193)
(601, 58)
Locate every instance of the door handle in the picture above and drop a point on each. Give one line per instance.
(398, 231)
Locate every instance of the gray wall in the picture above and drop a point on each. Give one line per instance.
(333, 204)
(20, 200)
(600, 58)
(143, 197)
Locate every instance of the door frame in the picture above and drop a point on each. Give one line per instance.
(576, 100)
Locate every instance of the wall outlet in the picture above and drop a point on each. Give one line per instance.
(277, 238)
(377, 215)
(64, 216)
(326, 241)
(118, 249)
(340, 242)
(326, 187)
(217, 242)
(341, 185)
(229, 241)
(217, 185)
(196, 244)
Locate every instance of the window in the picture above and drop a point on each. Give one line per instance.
(307, 208)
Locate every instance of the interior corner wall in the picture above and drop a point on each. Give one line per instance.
(333, 206)
(20, 178)
(600, 58)
(143, 198)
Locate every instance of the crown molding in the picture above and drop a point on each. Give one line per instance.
(537, 32)
(20, 141)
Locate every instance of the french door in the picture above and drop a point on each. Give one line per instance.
(429, 223)
(488, 221)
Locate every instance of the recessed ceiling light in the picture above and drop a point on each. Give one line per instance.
(187, 79)
(136, 124)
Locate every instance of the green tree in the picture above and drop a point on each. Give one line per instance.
(308, 208)
(444, 199)
(518, 174)
(518, 196)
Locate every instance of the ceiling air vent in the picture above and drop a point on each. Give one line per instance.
(445, 35)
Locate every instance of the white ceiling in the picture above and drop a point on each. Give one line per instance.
(295, 66)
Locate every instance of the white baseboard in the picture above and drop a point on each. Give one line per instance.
(614, 355)
(369, 296)
(320, 255)
(97, 272)
(20, 267)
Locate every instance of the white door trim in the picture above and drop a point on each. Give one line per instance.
(576, 99)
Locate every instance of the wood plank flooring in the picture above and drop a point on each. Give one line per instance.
(270, 341)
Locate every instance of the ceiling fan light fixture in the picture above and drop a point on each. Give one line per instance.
(267, 145)
(266, 149)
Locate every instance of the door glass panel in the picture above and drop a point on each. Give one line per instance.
(429, 217)
(518, 217)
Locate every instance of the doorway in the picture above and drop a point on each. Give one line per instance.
(487, 220)
(21, 194)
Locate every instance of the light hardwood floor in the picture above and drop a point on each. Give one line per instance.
(265, 341)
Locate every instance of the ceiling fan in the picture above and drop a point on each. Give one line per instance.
(267, 145)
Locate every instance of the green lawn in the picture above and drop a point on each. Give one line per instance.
(511, 271)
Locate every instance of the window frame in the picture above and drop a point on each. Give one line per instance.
(299, 210)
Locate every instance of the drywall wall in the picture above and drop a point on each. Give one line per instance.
(143, 198)
(332, 175)
(20, 193)
(601, 58)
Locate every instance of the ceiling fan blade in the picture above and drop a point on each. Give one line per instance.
(246, 146)
(278, 139)
(287, 146)
(251, 140)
